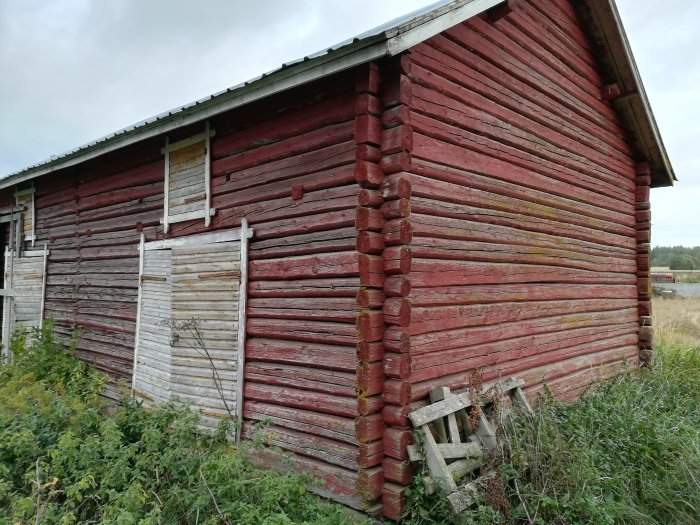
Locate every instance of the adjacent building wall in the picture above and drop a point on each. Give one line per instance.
(524, 248)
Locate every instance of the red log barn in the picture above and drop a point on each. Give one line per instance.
(466, 187)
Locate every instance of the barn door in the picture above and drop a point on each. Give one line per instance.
(190, 333)
(23, 293)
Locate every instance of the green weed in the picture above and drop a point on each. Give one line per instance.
(64, 459)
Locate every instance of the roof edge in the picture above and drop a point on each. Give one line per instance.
(609, 34)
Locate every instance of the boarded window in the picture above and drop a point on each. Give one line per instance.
(190, 334)
(25, 201)
(187, 179)
(23, 292)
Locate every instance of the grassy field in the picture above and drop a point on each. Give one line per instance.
(676, 321)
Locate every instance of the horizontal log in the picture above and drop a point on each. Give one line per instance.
(309, 266)
(396, 339)
(497, 293)
(397, 471)
(370, 298)
(368, 174)
(370, 198)
(397, 139)
(370, 352)
(397, 311)
(369, 219)
(397, 260)
(397, 232)
(338, 240)
(370, 326)
(395, 442)
(453, 249)
(397, 286)
(368, 152)
(431, 272)
(310, 146)
(368, 129)
(285, 126)
(397, 365)
(370, 242)
(396, 163)
(396, 186)
(367, 103)
(452, 317)
(393, 501)
(396, 209)
(315, 423)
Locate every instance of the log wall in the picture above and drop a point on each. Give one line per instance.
(92, 218)
(294, 167)
(472, 204)
(525, 247)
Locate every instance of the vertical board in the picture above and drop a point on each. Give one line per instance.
(24, 292)
(152, 372)
(27, 285)
(186, 190)
(205, 298)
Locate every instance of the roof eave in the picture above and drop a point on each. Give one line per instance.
(633, 106)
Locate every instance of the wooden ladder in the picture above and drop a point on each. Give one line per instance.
(453, 447)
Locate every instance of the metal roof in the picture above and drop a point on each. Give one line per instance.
(388, 39)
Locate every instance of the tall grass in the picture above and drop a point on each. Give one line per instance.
(626, 452)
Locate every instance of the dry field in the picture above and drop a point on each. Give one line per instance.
(676, 321)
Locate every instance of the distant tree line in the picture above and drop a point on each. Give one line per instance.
(676, 257)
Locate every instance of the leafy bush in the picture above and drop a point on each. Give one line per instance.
(65, 458)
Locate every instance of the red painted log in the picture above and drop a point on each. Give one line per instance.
(397, 232)
(368, 174)
(369, 428)
(395, 442)
(397, 471)
(397, 260)
(368, 153)
(397, 365)
(370, 242)
(368, 129)
(397, 392)
(371, 270)
(396, 116)
(369, 219)
(396, 209)
(370, 326)
(397, 139)
(370, 198)
(367, 79)
(370, 352)
(370, 298)
(397, 311)
(393, 501)
(397, 286)
(396, 163)
(366, 103)
(396, 187)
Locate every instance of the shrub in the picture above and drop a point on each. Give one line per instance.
(63, 457)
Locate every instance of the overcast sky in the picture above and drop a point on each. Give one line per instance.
(74, 70)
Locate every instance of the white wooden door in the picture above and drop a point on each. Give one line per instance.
(191, 323)
(24, 286)
(151, 380)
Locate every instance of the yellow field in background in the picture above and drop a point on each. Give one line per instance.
(676, 321)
